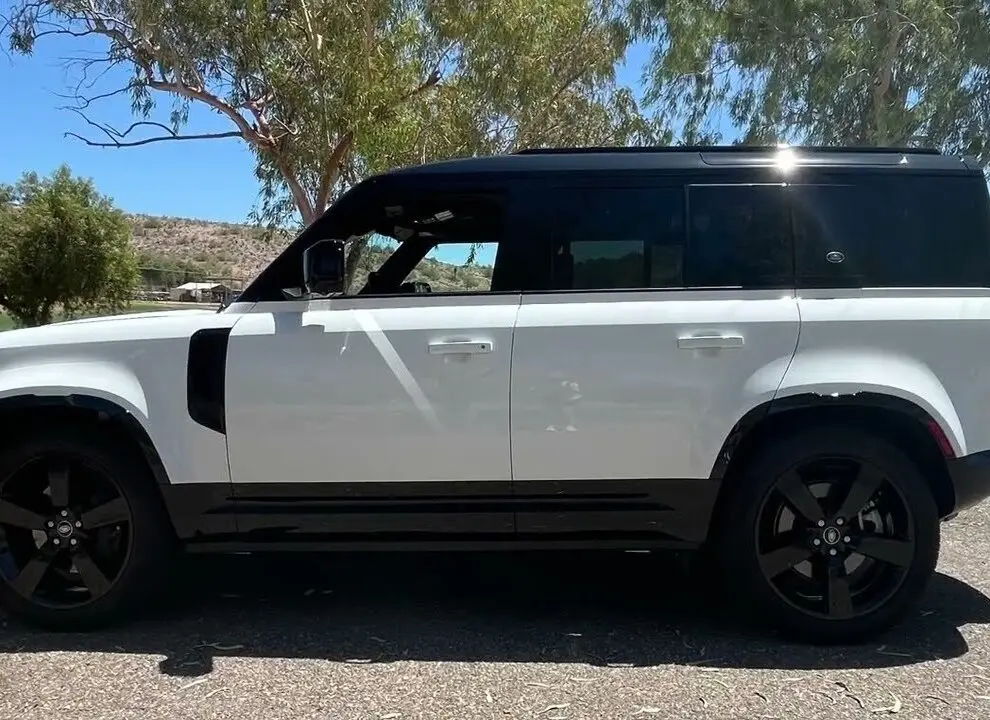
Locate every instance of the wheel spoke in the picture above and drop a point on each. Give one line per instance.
(94, 579)
(864, 487)
(839, 599)
(17, 516)
(27, 580)
(775, 562)
(888, 550)
(799, 497)
(58, 482)
(109, 513)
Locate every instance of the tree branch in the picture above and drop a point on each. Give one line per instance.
(116, 137)
(431, 81)
(299, 194)
(214, 102)
(148, 141)
(881, 85)
(85, 101)
(142, 59)
(332, 171)
(64, 31)
(251, 135)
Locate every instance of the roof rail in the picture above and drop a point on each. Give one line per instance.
(726, 149)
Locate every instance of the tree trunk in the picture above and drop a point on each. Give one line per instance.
(892, 28)
(44, 315)
(355, 254)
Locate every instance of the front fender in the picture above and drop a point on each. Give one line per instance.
(105, 380)
(849, 372)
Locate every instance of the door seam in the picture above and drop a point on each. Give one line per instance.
(797, 344)
(512, 471)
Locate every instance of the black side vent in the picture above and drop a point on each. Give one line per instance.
(206, 377)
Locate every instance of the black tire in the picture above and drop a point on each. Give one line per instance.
(752, 547)
(130, 570)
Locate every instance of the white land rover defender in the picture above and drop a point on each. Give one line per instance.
(777, 355)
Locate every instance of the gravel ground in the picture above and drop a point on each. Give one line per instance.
(496, 636)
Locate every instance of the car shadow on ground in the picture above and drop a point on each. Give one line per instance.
(604, 610)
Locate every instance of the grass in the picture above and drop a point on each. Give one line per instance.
(6, 322)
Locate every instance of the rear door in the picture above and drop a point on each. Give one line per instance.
(669, 313)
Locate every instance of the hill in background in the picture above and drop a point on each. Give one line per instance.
(203, 250)
(175, 250)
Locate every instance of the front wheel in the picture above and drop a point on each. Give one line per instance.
(835, 536)
(83, 535)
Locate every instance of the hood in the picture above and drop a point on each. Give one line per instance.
(154, 315)
(134, 326)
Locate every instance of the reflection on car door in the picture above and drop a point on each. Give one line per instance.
(373, 417)
(621, 403)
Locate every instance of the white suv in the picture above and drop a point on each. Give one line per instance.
(778, 355)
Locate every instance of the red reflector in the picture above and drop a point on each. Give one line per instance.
(940, 439)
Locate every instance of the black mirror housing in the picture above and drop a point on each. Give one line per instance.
(324, 267)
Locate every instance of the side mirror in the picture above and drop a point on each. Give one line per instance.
(324, 267)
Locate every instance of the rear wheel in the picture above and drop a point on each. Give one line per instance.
(82, 533)
(836, 535)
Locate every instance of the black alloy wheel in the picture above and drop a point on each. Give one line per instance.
(65, 531)
(833, 534)
(85, 538)
(835, 537)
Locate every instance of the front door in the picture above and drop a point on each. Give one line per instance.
(384, 414)
(371, 417)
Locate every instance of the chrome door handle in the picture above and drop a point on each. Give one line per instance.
(698, 342)
(461, 347)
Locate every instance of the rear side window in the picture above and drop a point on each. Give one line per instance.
(618, 238)
(740, 236)
(885, 231)
(736, 236)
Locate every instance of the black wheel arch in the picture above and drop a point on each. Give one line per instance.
(899, 421)
(18, 413)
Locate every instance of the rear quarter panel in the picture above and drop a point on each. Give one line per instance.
(929, 347)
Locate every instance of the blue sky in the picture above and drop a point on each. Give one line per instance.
(208, 179)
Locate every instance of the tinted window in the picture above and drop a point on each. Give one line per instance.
(879, 231)
(618, 238)
(740, 236)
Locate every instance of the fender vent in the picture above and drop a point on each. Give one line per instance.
(206, 378)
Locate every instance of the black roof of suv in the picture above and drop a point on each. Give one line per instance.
(699, 158)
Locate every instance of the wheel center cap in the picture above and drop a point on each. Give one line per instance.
(64, 528)
(831, 535)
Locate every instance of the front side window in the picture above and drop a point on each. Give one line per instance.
(445, 267)
(429, 243)
(418, 239)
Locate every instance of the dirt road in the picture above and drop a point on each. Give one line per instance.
(546, 637)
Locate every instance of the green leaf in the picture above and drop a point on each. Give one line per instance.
(63, 246)
(833, 72)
